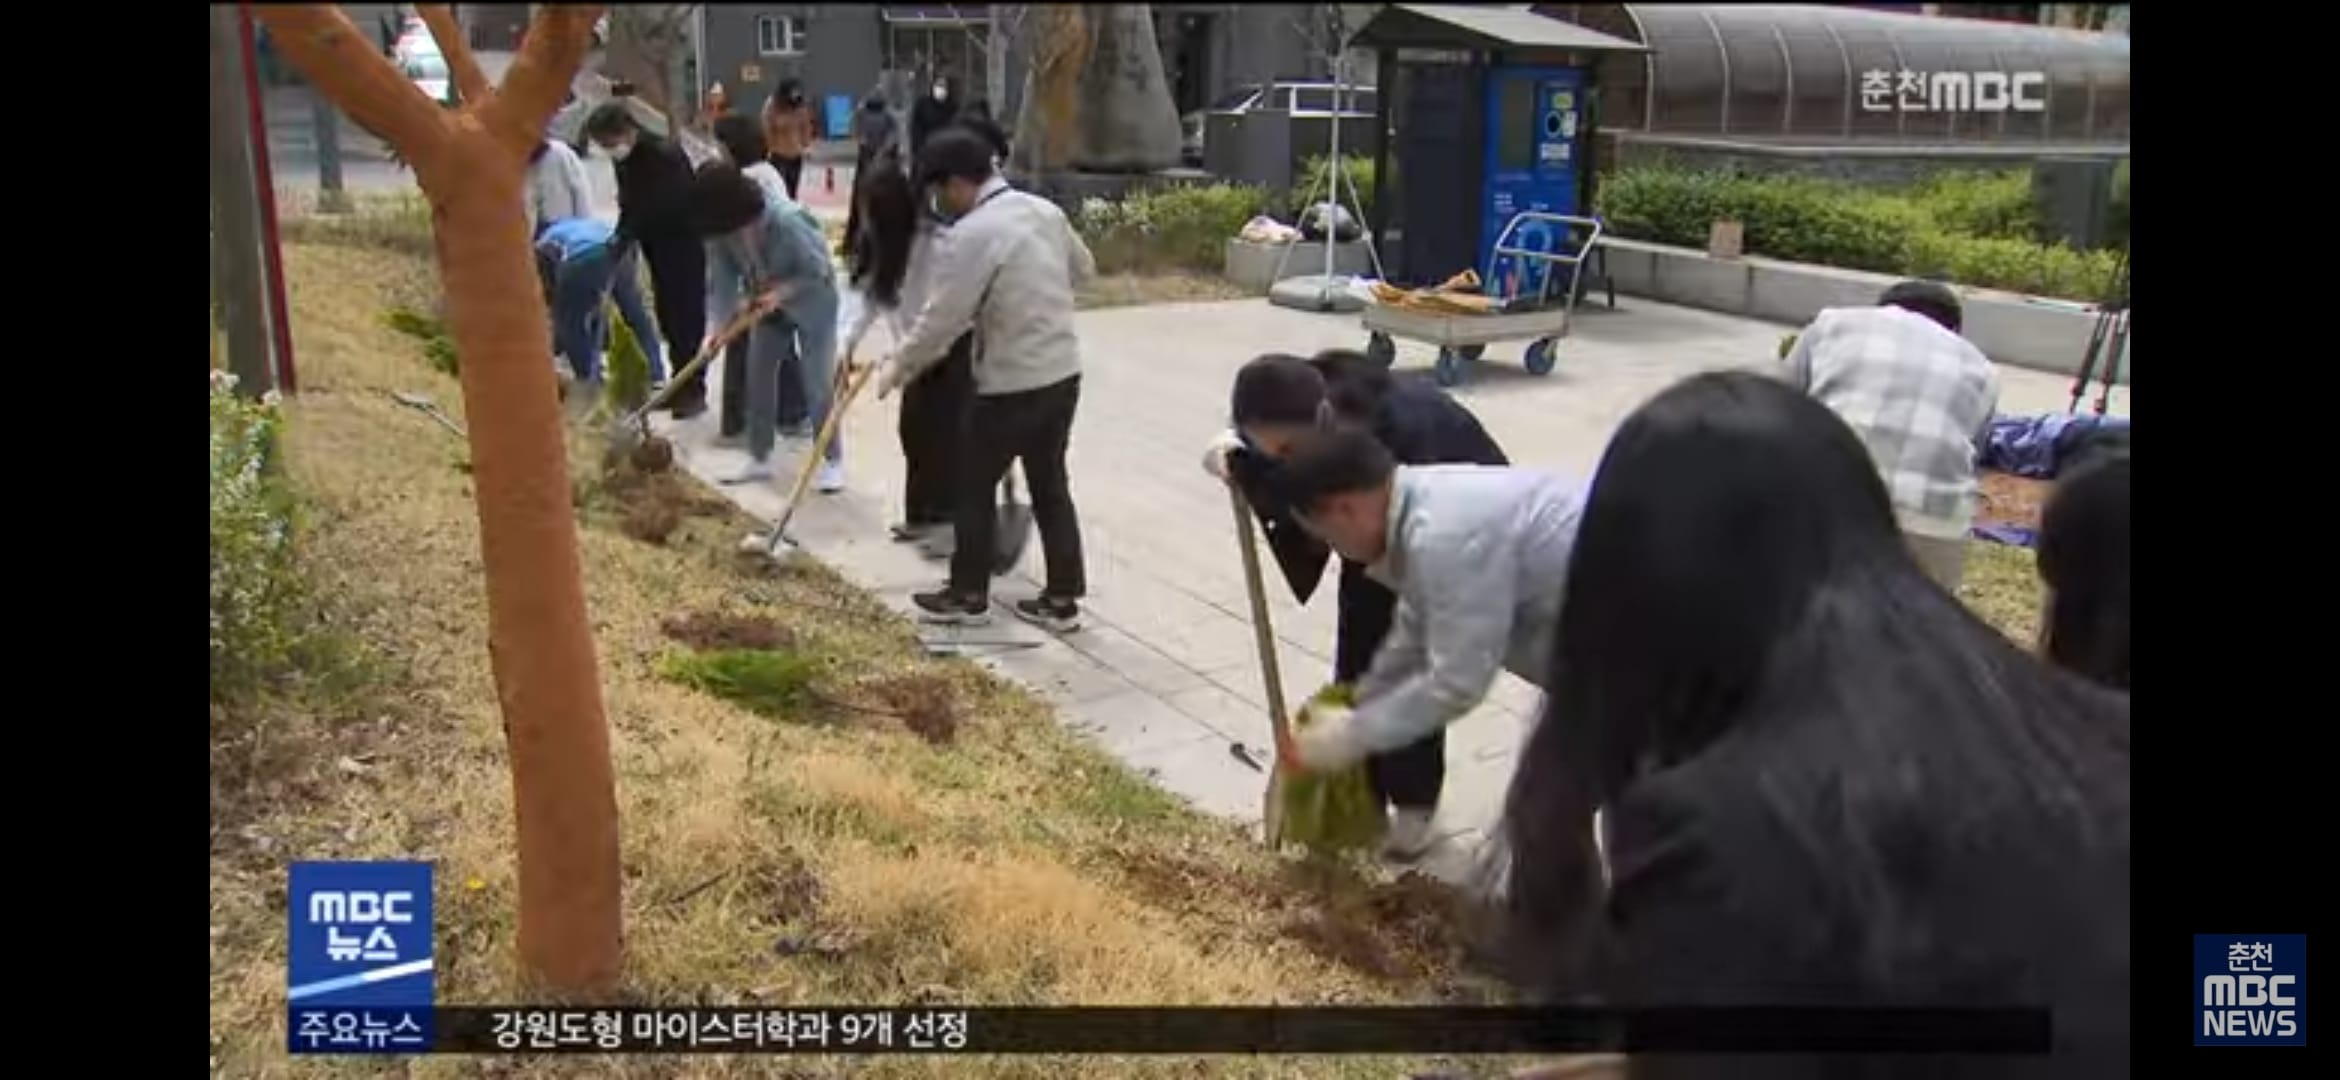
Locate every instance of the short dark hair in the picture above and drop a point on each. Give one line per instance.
(1332, 461)
(723, 199)
(954, 153)
(1931, 299)
(1355, 383)
(742, 138)
(2084, 559)
(610, 118)
(1277, 389)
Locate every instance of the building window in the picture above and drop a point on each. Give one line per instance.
(779, 35)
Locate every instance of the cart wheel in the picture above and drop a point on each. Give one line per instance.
(1542, 355)
(1381, 350)
(1451, 364)
(1472, 352)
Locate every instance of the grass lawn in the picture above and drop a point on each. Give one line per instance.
(829, 854)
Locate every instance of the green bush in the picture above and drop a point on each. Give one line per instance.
(256, 596)
(629, 365)
(1980, 204)
(1970, 229)
(1177, 228)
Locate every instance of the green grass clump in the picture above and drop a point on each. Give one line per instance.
(762, 681)
(1330, 813)
(438, 347)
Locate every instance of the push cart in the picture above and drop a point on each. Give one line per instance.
(1541, 320)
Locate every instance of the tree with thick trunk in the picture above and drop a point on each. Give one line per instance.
(470, 163)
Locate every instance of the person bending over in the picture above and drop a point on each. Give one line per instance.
(654, 184)
(1277, 400)
(1478, 556)
(1920, 396)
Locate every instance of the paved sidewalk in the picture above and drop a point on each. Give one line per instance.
(1165, 674)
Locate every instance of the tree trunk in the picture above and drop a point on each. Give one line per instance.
(540, 644)
(539, 639)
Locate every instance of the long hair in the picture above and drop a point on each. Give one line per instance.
(1745, 631)
(888, 225)
(2084, 560)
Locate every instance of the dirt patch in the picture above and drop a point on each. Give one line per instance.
(925, 702)
(1340, 941)
(717, 630)
(2007, 499)
(1162, 878)
(652, 500)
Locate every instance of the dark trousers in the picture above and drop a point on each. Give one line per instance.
(791, 170)
(1034, 426)
(934, 418)
(1410, 777)
(794, 411)
(678, 283)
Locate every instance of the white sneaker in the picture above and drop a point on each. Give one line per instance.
(1409, 835)
(756, 472)
(830, 478)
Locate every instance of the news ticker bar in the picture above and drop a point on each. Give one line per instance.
(1072, 1030)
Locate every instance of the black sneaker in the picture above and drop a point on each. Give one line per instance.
(904, 532)
(951, 607)
(1050, 614)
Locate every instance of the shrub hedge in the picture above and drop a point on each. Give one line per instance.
(1176, 228)
(1973, 229)
(255, 592)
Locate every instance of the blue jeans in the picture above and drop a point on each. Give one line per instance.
(578, 288)
(813, 335)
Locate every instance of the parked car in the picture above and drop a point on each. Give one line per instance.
(1297, 98)
(428, 72)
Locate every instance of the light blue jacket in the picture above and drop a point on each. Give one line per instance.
(1478, 555)
(783, 247)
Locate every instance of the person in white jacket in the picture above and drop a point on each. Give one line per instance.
(1478, 555)
(1008, 271)
(556, 186)
(890, 264)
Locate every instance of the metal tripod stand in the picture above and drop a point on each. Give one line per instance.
(1336, 179)
(2108, 341)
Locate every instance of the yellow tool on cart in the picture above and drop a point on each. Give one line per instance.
(1462, 324)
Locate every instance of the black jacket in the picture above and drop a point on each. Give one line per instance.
(1420, 425)
(928, 116)
(654, 190)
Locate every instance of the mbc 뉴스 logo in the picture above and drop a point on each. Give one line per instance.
(358, 969)
(2250, 989)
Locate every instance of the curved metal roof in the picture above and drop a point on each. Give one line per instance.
(1810, 71)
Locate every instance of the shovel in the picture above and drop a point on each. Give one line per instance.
(1014, 530)
(776, 545)
(634, 428)
(1272, 816)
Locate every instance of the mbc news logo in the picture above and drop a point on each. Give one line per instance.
(2250, 989)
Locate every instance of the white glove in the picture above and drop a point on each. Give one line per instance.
(1329, 741)
(1221, 447)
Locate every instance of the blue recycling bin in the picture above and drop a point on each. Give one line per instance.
(837, 115)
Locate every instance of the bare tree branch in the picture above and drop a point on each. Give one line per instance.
(323, 45)
(558, 37)
(470, 81)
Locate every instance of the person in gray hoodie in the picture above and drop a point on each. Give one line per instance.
(1478, 555)
(1007, 268)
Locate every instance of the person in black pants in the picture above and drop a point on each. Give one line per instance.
(654, 183)
(890, 267)
(1277, 400)
(1009, 271)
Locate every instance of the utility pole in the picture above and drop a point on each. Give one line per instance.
(235, 211)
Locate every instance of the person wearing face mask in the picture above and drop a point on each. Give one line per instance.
(654, 185)
(1279, 400)
(788, 131)
(933, 113)
(1008, 270)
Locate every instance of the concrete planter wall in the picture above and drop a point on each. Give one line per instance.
(1253, 266)
(2009, 328)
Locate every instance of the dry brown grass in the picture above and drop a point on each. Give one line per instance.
(2002, 585)
(845, 860)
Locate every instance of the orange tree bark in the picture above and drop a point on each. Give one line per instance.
(470, 163)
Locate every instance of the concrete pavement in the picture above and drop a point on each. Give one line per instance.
(1165, 674)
